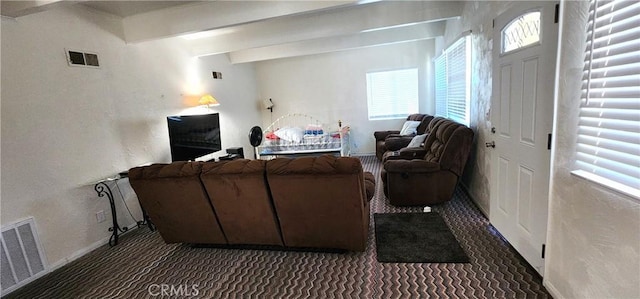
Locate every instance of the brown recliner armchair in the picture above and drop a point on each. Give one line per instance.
(432, 178)
(391, 140)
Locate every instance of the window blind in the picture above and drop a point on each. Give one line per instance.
(608, 144)
(392, 94)
(453, 81)
(441, 85)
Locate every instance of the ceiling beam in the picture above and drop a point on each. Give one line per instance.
(16, 9)
(209, 15)
(346, 21)
(339, 43)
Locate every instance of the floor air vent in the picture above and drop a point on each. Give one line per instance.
(22, 255)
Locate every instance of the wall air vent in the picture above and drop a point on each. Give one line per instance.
(22, 255)
(82, 58)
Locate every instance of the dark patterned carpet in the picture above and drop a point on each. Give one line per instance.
(142, 266)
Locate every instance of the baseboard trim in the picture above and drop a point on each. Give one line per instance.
(552, 289)
(82, 252)
(465, 188)
(362, 154)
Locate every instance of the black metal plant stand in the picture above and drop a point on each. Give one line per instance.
(103, 189)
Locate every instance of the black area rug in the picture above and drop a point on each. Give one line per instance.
(416, 238)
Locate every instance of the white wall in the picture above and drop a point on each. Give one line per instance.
(237, 93)
(477, 16)
(65, 127)
(593, 248)
(332, 87)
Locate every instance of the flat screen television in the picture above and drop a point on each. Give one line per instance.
(194, 136)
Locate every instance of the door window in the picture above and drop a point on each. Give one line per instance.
(521, 32)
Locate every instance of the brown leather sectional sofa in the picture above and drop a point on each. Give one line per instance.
(309, 202)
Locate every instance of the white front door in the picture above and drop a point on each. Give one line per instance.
(524, 59)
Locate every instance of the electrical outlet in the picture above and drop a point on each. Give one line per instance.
(100, 216)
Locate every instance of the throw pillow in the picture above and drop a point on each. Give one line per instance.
(409, 127)
(417, 140)
(293, 134)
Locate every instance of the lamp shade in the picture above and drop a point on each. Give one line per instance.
(208, 100)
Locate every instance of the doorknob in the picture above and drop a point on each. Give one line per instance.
(493, 130)
(491, 144)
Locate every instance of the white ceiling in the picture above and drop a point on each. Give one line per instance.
(260, 30)
(130, 8)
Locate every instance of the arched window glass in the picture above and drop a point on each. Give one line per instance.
(521, 32)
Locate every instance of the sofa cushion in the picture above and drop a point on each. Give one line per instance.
(173, 197)
(448, 144)
(382, 135)
(240, 166)
(396, 142)
(410, 166)
(320, 201)
(325, 164)
(416, 116)
(173, 170)
(240, 197)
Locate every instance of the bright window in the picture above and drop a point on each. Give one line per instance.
(608, 145)
(392, 94)
(453, 81)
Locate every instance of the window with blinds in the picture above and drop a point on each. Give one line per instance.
(392, 94)
(608, 145)
(441, 85)
(453, 81)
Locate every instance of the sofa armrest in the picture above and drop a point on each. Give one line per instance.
(381, 135)
(396, 135)
(369, 185)
(407, 153)
(411, 166)
(412, 153)
(395, 142)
